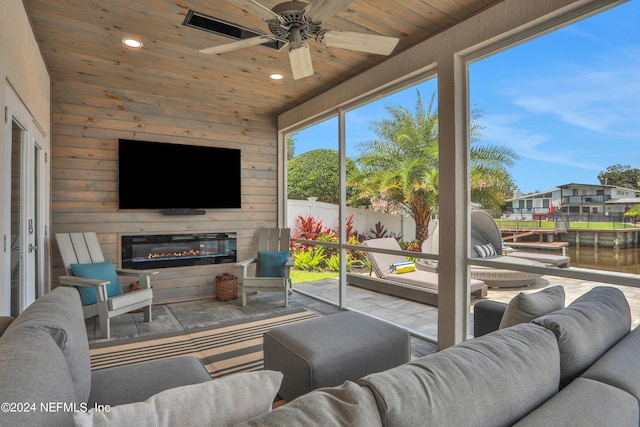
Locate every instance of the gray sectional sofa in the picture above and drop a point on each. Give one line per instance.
(46, 379)
(44, 360)
(576, 366)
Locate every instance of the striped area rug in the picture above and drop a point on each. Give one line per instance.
(223, 349)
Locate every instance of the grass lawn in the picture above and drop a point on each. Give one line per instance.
(300, 276)
(574, 224)
(599, 225)
(527, 224)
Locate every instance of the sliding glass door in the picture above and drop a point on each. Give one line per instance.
(24, 158)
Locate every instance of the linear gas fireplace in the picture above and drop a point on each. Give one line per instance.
(153, 251)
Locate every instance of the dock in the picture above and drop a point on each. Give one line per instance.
(545, 241)
(541, 245)
(619, 238)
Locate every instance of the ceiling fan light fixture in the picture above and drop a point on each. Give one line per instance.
(294, 22)
(132, 43)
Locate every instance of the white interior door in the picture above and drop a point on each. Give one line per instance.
(24, 157)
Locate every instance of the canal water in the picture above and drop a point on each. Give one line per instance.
(622, 260)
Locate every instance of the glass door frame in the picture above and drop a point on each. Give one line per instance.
(34, 207)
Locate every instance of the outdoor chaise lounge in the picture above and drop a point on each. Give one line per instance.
(560, 261)
(485, 231)
(403, 284)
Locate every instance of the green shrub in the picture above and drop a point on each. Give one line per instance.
(412, 246)
(310, 259)
(329, 237)
(364, 262)
(354, 254)
(333, 262)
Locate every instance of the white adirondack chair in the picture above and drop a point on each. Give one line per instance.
(269, 240)
(84, 248)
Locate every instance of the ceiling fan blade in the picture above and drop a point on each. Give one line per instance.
(319, 10)
(257, 9)
(300, 59)
(362, 42)
(240, 44)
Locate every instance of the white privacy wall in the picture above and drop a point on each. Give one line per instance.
(363, 219)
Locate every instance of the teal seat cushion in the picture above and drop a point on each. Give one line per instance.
(272, 264)
(99, 270)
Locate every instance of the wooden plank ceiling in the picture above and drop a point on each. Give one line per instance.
(81, 42)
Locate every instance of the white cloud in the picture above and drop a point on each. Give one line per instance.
(602, 97)
(509, 131)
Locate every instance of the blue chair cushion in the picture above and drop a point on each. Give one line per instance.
(99, 270)
(272, 264)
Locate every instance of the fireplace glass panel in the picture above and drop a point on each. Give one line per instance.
(144, 252)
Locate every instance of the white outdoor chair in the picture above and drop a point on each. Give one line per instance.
(273, 265)
(94, 278)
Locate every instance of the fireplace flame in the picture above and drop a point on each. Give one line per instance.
(191, 253)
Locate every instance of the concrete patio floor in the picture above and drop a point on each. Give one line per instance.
(419, 319)
(180, 316)
(422, 319)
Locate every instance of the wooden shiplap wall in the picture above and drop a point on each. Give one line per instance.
(87, 122)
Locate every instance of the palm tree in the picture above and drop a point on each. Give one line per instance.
(401, 165)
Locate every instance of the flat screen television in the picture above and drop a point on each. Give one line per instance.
(154, 175)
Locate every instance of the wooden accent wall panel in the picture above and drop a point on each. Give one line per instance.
(87, 122)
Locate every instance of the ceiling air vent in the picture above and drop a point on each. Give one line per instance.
(218, 26)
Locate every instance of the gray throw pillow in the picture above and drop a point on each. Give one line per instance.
(523, 308)
(587, 328)
(344, 405)
(222, 402)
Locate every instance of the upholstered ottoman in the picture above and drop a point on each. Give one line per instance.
(327, 351)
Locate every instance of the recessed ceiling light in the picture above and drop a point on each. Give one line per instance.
(133, 43)
(276, 76)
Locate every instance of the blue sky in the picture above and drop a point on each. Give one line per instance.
(567, 102)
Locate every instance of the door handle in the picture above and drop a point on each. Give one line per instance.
(32, 247)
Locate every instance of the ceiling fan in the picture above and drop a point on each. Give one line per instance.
(293, 22)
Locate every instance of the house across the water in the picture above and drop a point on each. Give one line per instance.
(604, 202)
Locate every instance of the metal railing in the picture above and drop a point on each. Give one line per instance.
(578, 200)
(527, 218)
